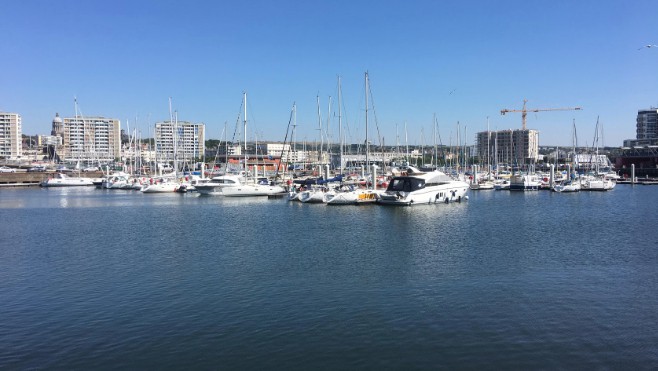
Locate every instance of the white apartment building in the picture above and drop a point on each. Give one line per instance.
(188, 140)
(88, 139)
(11, 141)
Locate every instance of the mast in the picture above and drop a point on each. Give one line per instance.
(596, 138)
(340, 129)
(171, 122)
(367, 142)
(328, 142)
(294, 129)
(488, 147)
(75, 103)
(246, 168)
(320, 130)
(436, 158)
(176, 144)
(406, 142)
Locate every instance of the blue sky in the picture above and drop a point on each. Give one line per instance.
(461, 60)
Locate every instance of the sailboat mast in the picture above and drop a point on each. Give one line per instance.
(488, 146)
(176, 144)
(246, 168)
(406, 142)
(436, 158)
(328, 131)
(340, 129)
(367, 142)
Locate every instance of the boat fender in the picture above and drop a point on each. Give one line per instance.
(447, 200)
(459, 199)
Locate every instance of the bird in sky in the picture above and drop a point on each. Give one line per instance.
(648, 46)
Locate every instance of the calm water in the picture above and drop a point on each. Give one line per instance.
(95, 279)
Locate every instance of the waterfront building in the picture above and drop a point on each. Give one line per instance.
(509, 146)
(287, 153)
(185, 138)
(646, 129)
(647, 124)
(11, 144)
(49, 140)
(87, 139)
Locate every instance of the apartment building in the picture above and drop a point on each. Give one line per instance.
(11, 146)
(184, 138)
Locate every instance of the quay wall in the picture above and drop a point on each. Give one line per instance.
(34, 178)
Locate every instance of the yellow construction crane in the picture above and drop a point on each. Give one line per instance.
(524, 111)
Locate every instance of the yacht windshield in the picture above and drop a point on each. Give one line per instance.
(405, 184)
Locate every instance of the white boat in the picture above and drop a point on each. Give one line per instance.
(423, 188)
(592, 183)
(343, 195)
(63, 180)
(501, 184)
(161, 186)
(482, 185)
(524, 182)
(340, 198)
(250, 190)
(215, 186)
(567, 186)
(314, 195)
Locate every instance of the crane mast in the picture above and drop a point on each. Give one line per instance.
(524, 111)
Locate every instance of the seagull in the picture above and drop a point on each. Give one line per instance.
(452, 91)
(648, 46)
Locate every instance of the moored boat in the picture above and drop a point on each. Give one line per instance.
(63, 180)
(423, 188)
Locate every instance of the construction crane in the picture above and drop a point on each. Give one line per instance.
(524, 111)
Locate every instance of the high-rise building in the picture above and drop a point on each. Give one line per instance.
(512, 147)
(11, 144)
(88, 139)
(187, 141)
(647, 124)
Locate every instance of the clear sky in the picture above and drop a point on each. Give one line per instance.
(461, 60)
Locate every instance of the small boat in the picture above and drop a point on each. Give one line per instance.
(593, 183)
(501, 185)
(524, 182)
(161, 185)
(314, 195)
(63, 180)
(567, 186)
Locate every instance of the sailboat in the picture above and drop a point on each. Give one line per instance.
(596, 181)
(169, 182)
(252, 189)
(570, 184)
(357, 196)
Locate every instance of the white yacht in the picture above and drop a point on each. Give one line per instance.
(63, 180)
(215, 185)
(524, 182)
(249, 190)
(594, 183)
(422, 188)
(161, 186)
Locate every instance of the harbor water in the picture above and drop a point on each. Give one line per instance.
(98, 279)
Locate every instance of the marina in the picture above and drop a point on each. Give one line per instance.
(328, 186)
